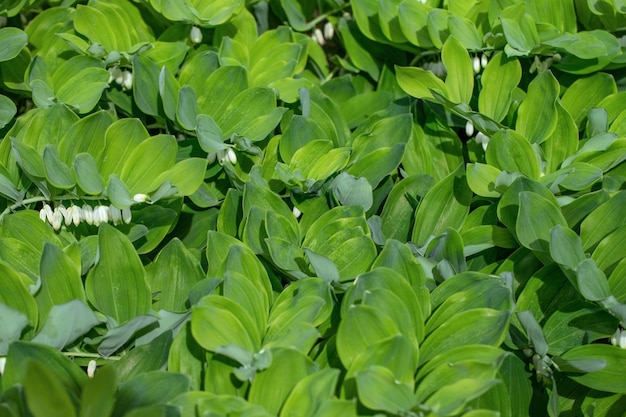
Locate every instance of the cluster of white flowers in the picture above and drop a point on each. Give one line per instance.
(619, 338)
(121, 77)
(223, 156)
(91, 215)
(479, 63)
(481, 138)
(321, 37)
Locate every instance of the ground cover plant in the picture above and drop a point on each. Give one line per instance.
(312, 208)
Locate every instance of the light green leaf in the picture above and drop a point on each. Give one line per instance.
(482, 179)
(379, 390)
(150, 158)
(585, 93)
(271, 387)
(460, 76)
(310, 393)
(476, 326)
(602, 221)
(218, 321)
(418, 82)
(146, 84)
(510, 151)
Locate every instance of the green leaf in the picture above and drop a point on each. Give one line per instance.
(460, 76)
(57, 173)
(609, 378)
(172, 274)
(592, 283)
(149, 389)
(445, 205)
(45, 395)
(87, 175)
(499, 79)
(519, 29)
(121, 139)
(146, 84)
(79, 82)
(536, 218)
(64, 371)
(537, 115)
(417, 82)
(272, 386)
(116, 284)
(116, 25)
(12, 40)
(452, 398)
(16, 296)
(566, 247)
(149, 159)
(602, 221)
(12, 324)
(98, 396)
(218, 321)
(209, 134)
(476, 326)
(509, 151)
(7, 110)
(65, 323)
(585, 93)
(482, 179)
(378, 390)
(310, 393)
(60, 280)
(563, 141)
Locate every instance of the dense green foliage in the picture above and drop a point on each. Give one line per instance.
(312, 208)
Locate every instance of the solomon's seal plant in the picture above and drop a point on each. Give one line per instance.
(312, 208)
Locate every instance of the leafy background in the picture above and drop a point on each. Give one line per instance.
(312, 208)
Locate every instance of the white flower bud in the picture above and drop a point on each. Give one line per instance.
(476, 64)
(103, 213)
(195, 35)
(57, 220)
(469, 128)
(141, 198)
(76, 214)
(619, 338)
(127, 80)
(87, 214)
(212, 157)
(318, 36)
(3, 362)
(482, 139)
(296, 212)
(49, 213)
(484, 61)
(115, 214)
(329, 31)
(91, 368)
(42, 215)
(126, 215)
(232, 156)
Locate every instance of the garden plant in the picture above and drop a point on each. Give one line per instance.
(312, 208)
